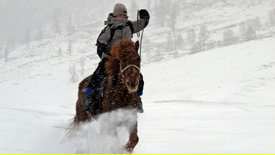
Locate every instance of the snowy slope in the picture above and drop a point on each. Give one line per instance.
(218, 101)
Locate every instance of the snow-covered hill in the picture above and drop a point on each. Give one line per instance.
(218, 101)
(82, 21)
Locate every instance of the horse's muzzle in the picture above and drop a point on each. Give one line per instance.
(132, 87)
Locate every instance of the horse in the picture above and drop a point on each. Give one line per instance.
(123, 74)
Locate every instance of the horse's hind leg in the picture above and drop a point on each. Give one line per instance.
(81, 115)
(133, 139)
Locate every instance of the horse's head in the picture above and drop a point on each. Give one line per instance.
(125, 64)
(130, 70)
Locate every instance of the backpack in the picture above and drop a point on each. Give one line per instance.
(112, 32)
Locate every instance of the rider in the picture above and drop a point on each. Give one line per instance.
(118, 28)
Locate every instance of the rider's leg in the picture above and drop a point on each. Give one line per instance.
(92, 100)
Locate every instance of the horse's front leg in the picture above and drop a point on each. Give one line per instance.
(133, 139)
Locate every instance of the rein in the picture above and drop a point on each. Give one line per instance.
(138, 33)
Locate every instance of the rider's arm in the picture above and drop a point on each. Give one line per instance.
(102, 42)
(142, 22)
(138, 25)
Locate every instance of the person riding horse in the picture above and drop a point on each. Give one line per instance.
(118, 28)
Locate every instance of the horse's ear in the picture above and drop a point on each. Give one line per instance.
(136, 46)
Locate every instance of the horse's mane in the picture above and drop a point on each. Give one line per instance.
(126, 47)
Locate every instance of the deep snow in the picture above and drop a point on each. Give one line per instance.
(218, 101)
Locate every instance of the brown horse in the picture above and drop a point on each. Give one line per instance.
(123, 70)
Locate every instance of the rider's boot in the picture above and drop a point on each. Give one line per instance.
(89, 101)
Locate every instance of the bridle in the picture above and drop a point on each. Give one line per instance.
(135, 66)
(128, 66)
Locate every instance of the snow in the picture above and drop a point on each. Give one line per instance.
(217, 101)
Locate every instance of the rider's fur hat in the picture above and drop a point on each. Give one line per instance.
(120, 9)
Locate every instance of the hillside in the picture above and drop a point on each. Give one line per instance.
(175, 28)
(219, 101)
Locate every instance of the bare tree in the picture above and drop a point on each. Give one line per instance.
(40, 33)
(196, 48)
(70, 26)
(256, 23)
(250, 33)
(204, 35)
(82, 66)
(12, 41)
(191, 36)
(229, 37)
(173, 13)
(70, 47)
(6, 56)
(27, 37)
(169, 43)
(271, 16)
(161, 9)
(72, 71)
(56, 21)
(179, 42)
(242, 29)
(60, 52)
(178, 45)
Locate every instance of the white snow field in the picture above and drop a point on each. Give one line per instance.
(217, 101)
